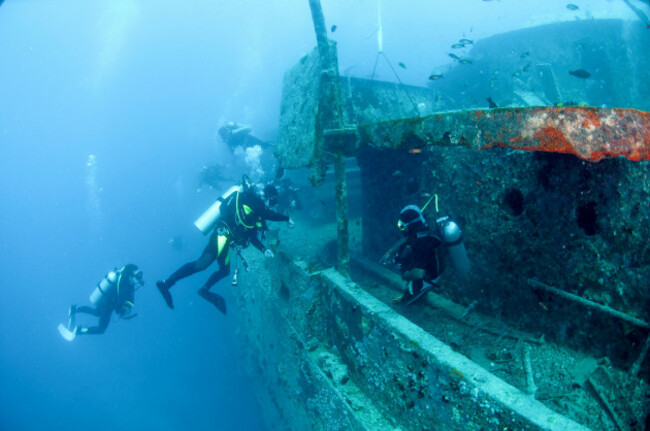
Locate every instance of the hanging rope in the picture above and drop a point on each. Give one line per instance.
(380, 52)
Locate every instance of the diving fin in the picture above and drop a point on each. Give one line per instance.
(427, 287)
(164, 291)
(66, 333)
(72, 314)
(215, 299)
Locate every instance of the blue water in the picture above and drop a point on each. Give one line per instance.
(108, 111)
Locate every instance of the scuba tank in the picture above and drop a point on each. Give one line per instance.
(452, 238)
(207, 220)
(106, 289)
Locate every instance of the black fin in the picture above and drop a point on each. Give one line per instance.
(164, 291)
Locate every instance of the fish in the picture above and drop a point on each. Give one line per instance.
(572, 6)
(333, 28)
(415, 150)
(526, 67)
(516, 73)
(491, 103)
(454, 56)
(580, 73)
(458, 45)
(466, 41)
(435, 77)
(569, 103)
(525, 54)
(453, 370)
(465, 61)
(402, 65)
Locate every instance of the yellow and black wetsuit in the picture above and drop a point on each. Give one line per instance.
(124, 297)
(242, 214)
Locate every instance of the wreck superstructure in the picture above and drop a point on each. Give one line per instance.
(549, 331)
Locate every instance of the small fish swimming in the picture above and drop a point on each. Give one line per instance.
(525, 54)
(516, 73)
(526, 68)
(466, 41)
(435, 77)
(415, 150)
(491, 103)
(402, 65)
(458, 45)
(580, 73)
(454, 56)
(465, 61)
(569, 103)
(333, 28)
(572, 6)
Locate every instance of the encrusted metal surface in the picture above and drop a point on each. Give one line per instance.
(587, 132)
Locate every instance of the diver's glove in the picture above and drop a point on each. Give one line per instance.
(268, 253)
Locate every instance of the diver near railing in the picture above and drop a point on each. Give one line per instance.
(418, 255)
(235, 220)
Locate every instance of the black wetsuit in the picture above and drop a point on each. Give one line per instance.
(420, 250)
(120, 302)
(233, 228)
(235, 136)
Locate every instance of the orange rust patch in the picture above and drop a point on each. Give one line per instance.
(552, 140)
(594, 119)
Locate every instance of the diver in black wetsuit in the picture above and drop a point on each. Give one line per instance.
(237, 135)
(242, 215)
(115, 293)
(417, 256)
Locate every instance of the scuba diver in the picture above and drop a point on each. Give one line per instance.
(115, 292)
(235, 220)
(418, 255)
(237, 135)
(273, 199)
(280, 194)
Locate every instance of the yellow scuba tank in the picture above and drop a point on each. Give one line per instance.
(207, 220)
(106, 289)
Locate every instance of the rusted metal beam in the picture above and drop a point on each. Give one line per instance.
(330, 117)
(587, 132)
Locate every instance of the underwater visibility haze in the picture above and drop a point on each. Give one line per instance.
(109, 110)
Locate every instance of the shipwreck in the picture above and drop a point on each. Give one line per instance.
(550, 330)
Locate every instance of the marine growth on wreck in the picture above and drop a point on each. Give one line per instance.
(536, 142)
